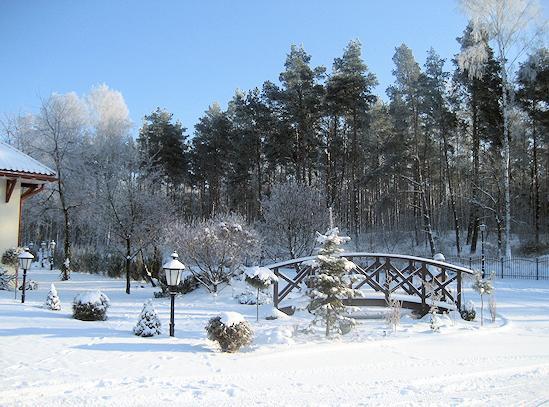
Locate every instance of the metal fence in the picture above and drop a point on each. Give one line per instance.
(515, 267)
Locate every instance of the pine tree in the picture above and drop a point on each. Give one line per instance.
(330, 284)
(298, 106)
(349, 95)
(163, 148)
(53, 302)
(210, 148)
(149, 322)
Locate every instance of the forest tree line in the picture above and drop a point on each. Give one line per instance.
(422, 164)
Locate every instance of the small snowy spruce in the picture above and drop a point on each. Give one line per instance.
(230, 330)
(90, 306)
(149, 322)
(329, 284)
(483, 286)
(259, 278)
(434, 298)
(53, 302)
(468, 313)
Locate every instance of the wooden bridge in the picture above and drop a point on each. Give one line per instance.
(412, 280)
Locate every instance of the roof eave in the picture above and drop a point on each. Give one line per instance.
(28, 176)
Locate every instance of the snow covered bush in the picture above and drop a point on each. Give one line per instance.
(217, 248)
(11, 257)
(330, 282)
(492, 307)
(6, 279)
(468, 313)
(53, 302)
(260, 278)
(291, 215)
(394, 313)
(483, 286)
(29, 286)
(230, 330)
(90, 306)
(149, 322)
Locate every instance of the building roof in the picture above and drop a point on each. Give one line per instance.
(13, 161)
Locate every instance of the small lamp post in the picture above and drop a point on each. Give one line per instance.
(42, 253)
(482, 258)
(25, 261)
(52, 253)
(173, 270)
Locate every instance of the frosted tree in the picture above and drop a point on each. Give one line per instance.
(483, 286)
(149, 323)
(60, 128)
(330, 283)
(53, 302)
(291, 215)
(259, 278)
(512, 26)
(215, 249)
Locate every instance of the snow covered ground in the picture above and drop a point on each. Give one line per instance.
(48, 358)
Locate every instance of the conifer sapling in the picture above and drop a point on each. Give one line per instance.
(330, 283)
(149, 323)
(53, 302)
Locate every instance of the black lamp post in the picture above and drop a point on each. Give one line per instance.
(173, 270)
(25, 261)
(52, 253)
(43, 253)
(482, 258)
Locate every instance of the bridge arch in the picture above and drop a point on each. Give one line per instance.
(412, 280)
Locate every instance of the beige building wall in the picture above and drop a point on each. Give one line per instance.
(9, 216)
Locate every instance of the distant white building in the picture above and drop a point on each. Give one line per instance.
(21, 177)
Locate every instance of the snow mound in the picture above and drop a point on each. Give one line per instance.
(230, 318)
(261, 273)
(92, 297)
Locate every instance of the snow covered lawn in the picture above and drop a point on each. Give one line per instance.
(48, 358)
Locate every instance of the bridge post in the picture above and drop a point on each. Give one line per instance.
(458, 290)
(423, 281)
(388, 279)
(275, 289)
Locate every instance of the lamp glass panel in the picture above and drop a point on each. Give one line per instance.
(172, 276)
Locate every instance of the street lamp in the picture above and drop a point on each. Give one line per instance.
(52, 253)
(25, 261)
(43, 253)
(173, 270)
(482, 258)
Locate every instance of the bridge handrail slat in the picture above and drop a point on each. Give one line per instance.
(364, 254)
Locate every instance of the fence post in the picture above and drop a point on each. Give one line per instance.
(537, 268)
(470, 262)
(501, 261)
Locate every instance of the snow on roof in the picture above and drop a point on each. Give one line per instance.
(13, 160)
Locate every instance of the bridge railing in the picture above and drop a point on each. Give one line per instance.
(419, 279)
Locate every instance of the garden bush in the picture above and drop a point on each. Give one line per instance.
(230, 330)
(90, 306)
(11, 256)
(468, 313)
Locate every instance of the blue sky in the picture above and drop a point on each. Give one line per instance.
(183, 55)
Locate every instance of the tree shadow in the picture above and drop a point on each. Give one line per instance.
(145, 347)
(84, 332)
